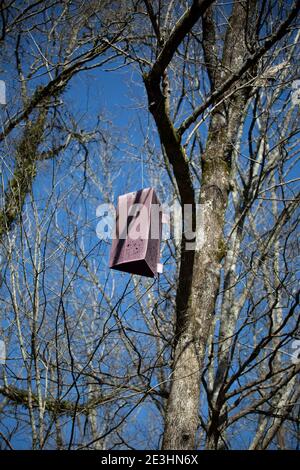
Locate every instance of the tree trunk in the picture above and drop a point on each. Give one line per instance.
(195, 320)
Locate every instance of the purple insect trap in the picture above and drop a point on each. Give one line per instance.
(136, 246)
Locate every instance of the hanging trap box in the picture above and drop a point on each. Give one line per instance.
(136, 246)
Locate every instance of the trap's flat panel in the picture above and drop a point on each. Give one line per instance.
(153, 248)
(136, 248)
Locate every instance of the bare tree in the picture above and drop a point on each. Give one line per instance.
(203, 356)
(238, 72)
